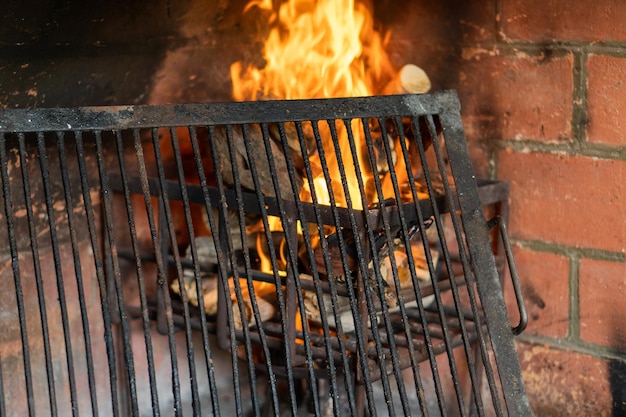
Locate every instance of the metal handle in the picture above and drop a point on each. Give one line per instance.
(517, 288)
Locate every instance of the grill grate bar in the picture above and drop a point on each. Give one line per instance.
(406, 239)
(38, 277)
(429, 259)
(72, 227)
(289, 225)
(204, 324)
(100, 272)
(285, 300)
(117, 297)
(376, 263)
(196, 262)
(362, 374)
(3, 407)
(164, 319)
(179, 273)
(43, 163)
(404, 227)
(138, 269)
(474, 306)
(227, 244)
(446, 255)
(19, 295)
(319, 288)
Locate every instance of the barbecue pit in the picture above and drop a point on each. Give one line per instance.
(164, 219)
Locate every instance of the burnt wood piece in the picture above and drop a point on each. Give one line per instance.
(247, 146)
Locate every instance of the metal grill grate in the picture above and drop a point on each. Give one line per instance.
(328, 257)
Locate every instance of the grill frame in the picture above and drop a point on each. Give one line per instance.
(443, 104)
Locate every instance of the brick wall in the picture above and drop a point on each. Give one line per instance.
(543, 90)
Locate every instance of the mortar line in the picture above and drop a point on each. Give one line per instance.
(615, 49)
(573, 331)
(579, 98)
(585, 348)
(570, 251)
(546, 50)
(572, 148)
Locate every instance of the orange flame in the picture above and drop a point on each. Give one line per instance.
(319, 49)
(315, 49)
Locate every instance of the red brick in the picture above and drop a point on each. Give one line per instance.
(545, 287)
(606, 100)
(602, 287)
(565, 383)
(577, 20)
(573, 200)
(516, 97)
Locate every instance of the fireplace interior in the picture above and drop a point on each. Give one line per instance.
(324, 257)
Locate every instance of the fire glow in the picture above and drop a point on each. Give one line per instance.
(316, 49)
(320, 49)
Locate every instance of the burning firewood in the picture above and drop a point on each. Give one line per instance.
(293, 141)
(342, 304)
(381, 248)
(209, 290)
(253, 144)
(264, 293)
(398, 250)
(264, 297)
(411, 79)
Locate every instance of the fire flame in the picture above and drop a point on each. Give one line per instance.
(316, 49)
(320, 49)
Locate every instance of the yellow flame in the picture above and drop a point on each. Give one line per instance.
(319, 49)
(315, 49)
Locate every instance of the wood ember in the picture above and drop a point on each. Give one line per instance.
(395, 131)
(336, 262)
(207, 259)
(311, 305)
(402, 266)
(207, 254)
(382, 163)
(400, 167)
